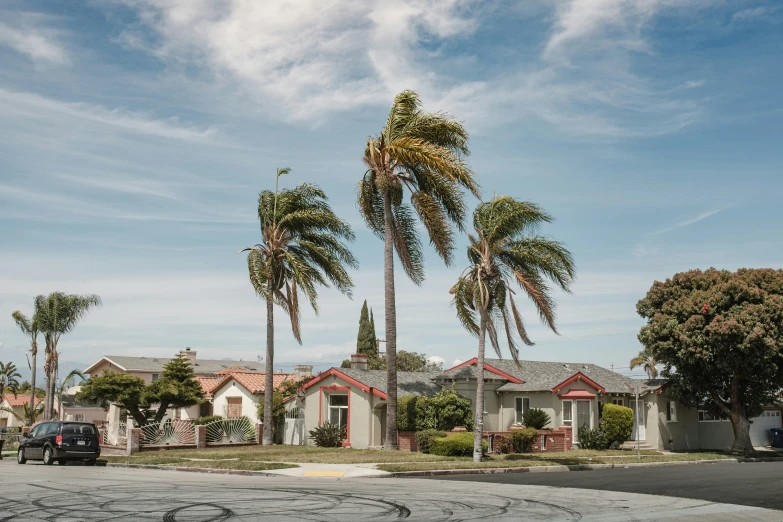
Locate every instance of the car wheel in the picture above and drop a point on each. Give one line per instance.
(20, 456)
(89, 462)
(62, 462)
(47, 456)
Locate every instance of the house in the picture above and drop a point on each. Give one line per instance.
(238, 392)
(75, 410)
(16, 404)
(572, 394)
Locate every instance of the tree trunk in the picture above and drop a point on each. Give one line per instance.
(391, 326)
(739, 421)
(478, 422)
(34, 351)
(139, 417)
(270, 368)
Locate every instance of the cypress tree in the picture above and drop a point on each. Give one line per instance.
(365, 343)
(374, 340)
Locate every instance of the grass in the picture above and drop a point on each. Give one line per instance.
(212, 464)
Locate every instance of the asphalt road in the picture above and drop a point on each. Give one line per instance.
(54, 493)
(757, 484)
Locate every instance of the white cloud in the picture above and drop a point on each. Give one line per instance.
(457, 362)
(752, 13)
(436, 359)
(702, 216)
(39, 43)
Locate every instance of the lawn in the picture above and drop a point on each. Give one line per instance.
(160, 460)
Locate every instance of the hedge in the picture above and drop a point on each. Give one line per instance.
(617, 423)
(425, 438)
(522, 440)
(457, 445)
(406, 413)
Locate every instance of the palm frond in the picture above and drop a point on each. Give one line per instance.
(407, 244)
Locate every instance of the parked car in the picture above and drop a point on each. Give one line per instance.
(60, 441)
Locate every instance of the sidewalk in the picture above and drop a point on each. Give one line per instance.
(330, 470)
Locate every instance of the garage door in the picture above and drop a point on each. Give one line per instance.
(759, 430)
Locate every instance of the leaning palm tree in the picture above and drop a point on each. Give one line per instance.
(58, 314)
(26, 417)
(648, 363)
(423, 153)
(506, 249)
(73, 377)
(9, 379)
(30, 327)
(301, 249)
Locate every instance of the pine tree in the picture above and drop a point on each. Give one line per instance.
(365, 340)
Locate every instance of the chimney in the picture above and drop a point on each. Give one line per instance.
(190, 355)
(359, 361)
(302, 370)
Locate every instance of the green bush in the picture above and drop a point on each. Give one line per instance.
(617, 423)
(424, 439)
(457, 445)
(206, 420)
(328, 435)
(444, 411)
(592, 439)
(535, 418)
(502, 444)
(406, 413)
(522, 440)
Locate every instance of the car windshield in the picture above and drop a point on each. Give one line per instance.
(78, 429)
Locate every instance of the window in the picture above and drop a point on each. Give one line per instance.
(521, 405)
(35, 430)
(705, 416)
(567, 413)
(338, 410)
(233, 407)
(542, 443)
(618, 402)
(671, 411)
(155, 377)
(79, 417)
(600, 409)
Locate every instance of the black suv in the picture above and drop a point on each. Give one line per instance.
(60, 441)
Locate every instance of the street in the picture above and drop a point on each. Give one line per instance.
(37, 492)
(752, 484)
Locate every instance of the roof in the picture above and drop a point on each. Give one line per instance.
(155, 364)
(70, 402)
(20, 400)
(544, 376)
(650, 385)
(408, 383)
(207, 383)
(253, 382)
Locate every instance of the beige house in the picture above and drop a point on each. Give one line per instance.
(16, 404)
(237, 393)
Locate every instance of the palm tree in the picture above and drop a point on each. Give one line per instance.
(67, 383)
(506, 249)
(58, 314)
(301, 249)
(30, 328)
(9, 379)
(26, 417)
(648, 363)
(423, 153)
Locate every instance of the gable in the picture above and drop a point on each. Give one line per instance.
(487, 368)
(579, 378)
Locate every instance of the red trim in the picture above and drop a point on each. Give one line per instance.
(577, 394)
(334, 387)
(579, 376)
(489, 368)
(340, 375)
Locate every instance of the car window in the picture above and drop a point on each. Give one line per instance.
(36, 429)
(78, 429)
(51, 429)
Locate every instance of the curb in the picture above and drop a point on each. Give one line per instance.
(214, 471)
(559, 469)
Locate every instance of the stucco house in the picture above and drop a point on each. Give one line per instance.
(237, 393)
(16, 404)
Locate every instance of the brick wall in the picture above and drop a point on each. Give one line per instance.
(406, 441)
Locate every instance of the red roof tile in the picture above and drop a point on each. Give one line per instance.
(19, 400)
(207, 383)
(254, 382)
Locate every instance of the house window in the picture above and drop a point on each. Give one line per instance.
(79, 417)
(705, 416)
(618, 402)
(567, 413)
(155, 377)
(671, 411)
(521, 405)
(338, 410)
(542, 443)
(233, 407)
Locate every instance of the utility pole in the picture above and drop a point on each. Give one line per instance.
(638, 440)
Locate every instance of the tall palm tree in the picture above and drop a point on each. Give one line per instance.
(30, 327)
(506, 249)
(423, 153)
(301, 249)
(66, 383)
(9, 379)
(648, 363)
(58, 314)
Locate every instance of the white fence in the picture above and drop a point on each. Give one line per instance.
(227, 431)
(168, 433)
(114, 434)
(294, 428)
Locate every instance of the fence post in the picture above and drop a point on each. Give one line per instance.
(134, 440)
(259, 433)
(201, 437)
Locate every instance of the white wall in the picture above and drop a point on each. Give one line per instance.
(234, 389)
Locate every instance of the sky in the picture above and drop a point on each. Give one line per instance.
(135, 136)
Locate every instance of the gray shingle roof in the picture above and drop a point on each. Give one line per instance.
(648, 385)
(408, 383)
(543, 376)
(202, 367)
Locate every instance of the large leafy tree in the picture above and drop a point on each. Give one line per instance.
(176, 388)
(719, 337)
(301, 248)
(506, 251)
(31, 328)
(648, 363)
(9, 379)
(422, 155)
(58, 314)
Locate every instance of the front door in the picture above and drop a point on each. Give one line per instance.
(639, 411)
(583, 415)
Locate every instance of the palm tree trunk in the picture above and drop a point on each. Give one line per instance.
(34, 351)
(478, 423)
(270, 367)
(391, 325)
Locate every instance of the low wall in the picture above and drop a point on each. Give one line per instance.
(554, 440)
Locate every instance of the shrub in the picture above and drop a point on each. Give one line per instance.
(444, 411)
(617, 423)
(457, 445)
(424, 439)
(592, 439)
(535, 418)
(206, 420)
(522, 440)
(328, 435)
(406, 413)
(502, 444)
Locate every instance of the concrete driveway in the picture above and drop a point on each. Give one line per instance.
(37, 492)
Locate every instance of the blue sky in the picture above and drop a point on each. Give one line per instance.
(136, 135)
